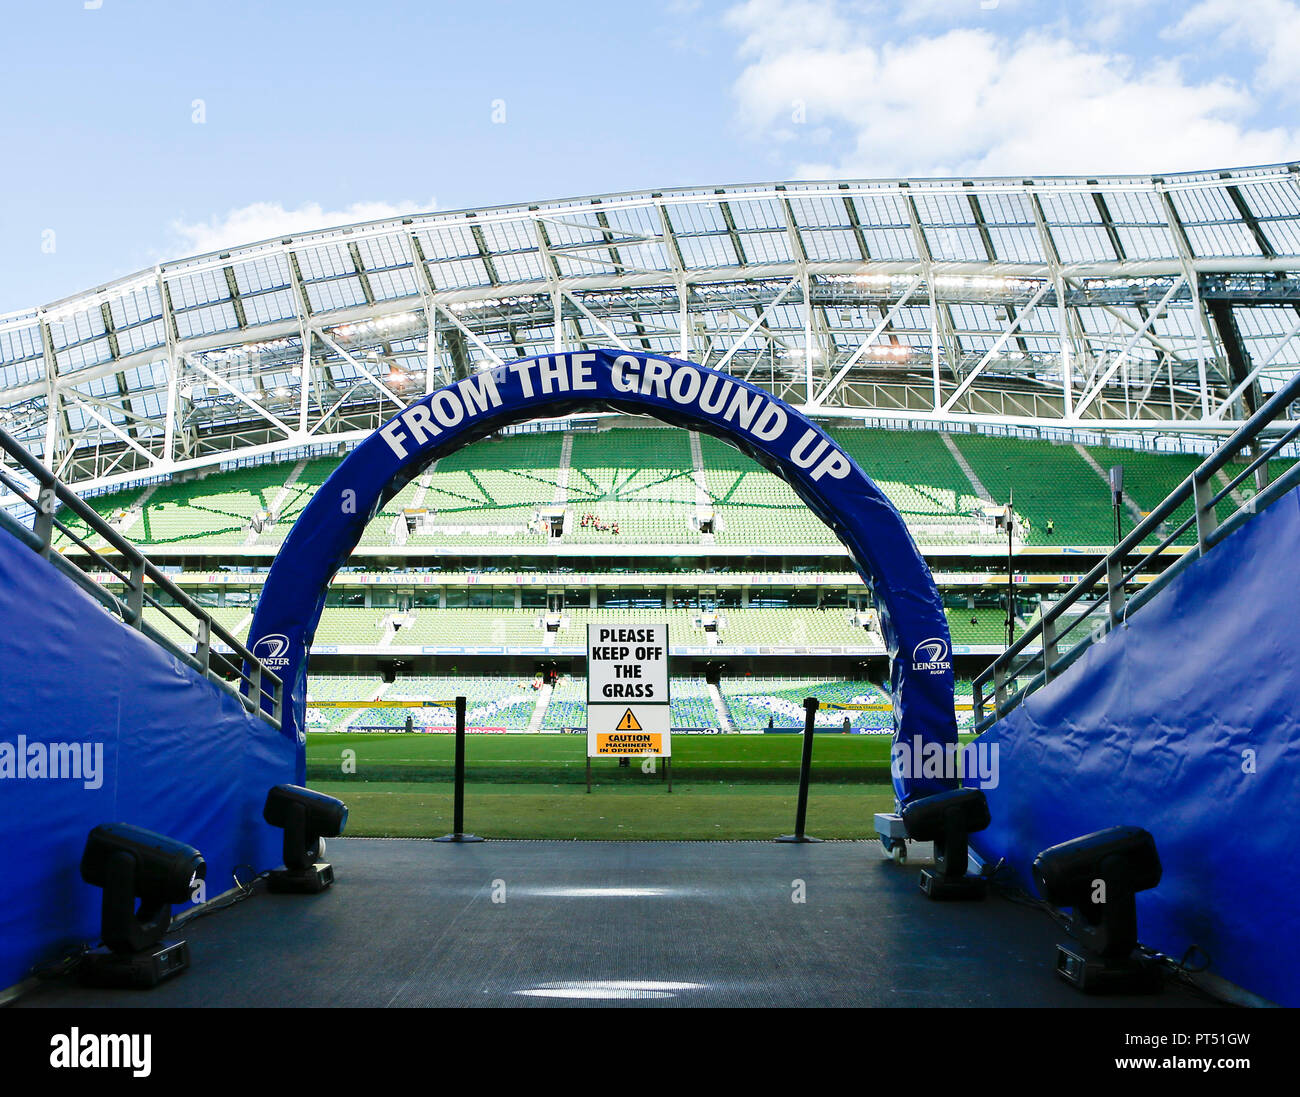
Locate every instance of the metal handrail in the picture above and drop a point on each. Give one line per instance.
(1109, 577)
(264, 687)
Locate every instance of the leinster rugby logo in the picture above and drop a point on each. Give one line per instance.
(271, 650)
(931, 655)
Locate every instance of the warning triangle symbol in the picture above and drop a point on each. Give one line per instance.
(628, 723)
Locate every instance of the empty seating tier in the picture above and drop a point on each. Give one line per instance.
(642, 480)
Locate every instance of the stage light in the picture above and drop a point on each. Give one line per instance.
(306, 818)
(947, 819)
(130, 863)
(1098, 876)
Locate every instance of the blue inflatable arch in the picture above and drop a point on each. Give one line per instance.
(679, 393)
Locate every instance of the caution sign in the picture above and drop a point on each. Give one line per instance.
(627, 730)
(628, 691)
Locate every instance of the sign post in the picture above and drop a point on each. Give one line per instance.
(628, 714)
(810, 705)
(458, 794)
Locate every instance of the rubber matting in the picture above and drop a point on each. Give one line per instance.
(505, 923)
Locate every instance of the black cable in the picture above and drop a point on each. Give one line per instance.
(65, 964)
(245, 891)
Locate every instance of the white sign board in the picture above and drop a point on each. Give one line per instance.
(627, 691)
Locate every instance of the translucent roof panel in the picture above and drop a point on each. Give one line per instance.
(267, 272)
(831, 245)
(950, 244)
(1082, 243)
(1016, 245)
(829, 212)
(337, 293)
(1273, 199)
(326, 262)
(201, 288)
(205, 321)
(457, 275)
(22, 358)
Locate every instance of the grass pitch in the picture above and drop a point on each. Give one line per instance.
(410, 809)
(534, 786)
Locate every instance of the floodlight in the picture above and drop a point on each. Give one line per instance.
(306, 818)
(1098, 876)
(129, 863)
(947, 819)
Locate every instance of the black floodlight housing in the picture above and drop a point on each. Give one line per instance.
(306, 817)
(130, 863)
(1098, 877)
(948, 819)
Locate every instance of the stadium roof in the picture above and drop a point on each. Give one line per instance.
(1114, 303)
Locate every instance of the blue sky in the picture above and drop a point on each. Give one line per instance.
(325, 112)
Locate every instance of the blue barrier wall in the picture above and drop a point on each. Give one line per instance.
(1185, 723)
(177, 754)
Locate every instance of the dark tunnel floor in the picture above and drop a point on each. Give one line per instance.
(411, 922)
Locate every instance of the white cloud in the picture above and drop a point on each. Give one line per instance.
(1270, 28)
(974, 101)
(265, 220)
(918, 11)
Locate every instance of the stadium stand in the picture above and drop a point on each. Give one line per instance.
(348, 625)
(568, 705)
(344, 687)
(751, 505)
(232, 618)
(754, 703)
(508, 703)
(491, 704)
(641, 479)
(790, 627)
(692, 705)
(1050, 482)
(636, 480)
(922, 479)
(217, 510)
(490, 627)
(985, 626)
(296, 497)
(680, 628)
(488, 493)
(795, 628)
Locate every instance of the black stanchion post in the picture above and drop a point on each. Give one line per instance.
(810, 705)
(458, 795)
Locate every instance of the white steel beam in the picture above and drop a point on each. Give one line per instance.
(1122, 357)
(866, 344)
(759, 319)
(1250, 378)
(1001, 342)
(243, 398)
(112, 428)
(356, 364)
(455, 320)
(595, 319)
